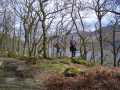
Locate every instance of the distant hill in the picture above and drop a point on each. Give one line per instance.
(107, 33)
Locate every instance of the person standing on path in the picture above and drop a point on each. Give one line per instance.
(73, 47)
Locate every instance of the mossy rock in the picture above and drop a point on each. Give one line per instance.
(17, 69)
(71, 72)
(24, 74)
(74, 60)
(83, 62)
(79, 61)
(10, 65)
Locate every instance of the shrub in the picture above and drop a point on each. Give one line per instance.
(12, 54)
(83, 62)
(54, 82)
(99, 79)
(74, 60)
(71, 72)
(79, 61)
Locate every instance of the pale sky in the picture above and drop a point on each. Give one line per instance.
(90, 19)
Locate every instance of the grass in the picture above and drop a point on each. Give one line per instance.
(46, 67)
(52, 67)
(58, 65)
(55, 65)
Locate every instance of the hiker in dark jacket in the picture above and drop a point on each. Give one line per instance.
(58, 47)
(73, 48)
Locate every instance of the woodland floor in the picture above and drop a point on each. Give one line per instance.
(41, 72)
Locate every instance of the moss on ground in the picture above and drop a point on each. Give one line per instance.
(52, 67)
(70, 72)
(58, 65)
(79, 61)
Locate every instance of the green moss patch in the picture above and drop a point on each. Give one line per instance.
(71, 72)
(79, 61)
(52, 67)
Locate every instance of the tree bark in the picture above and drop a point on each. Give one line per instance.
(101, 41)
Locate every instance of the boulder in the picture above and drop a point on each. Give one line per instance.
(10, 65)
(24, 71)
(19, 68)
(71, 72)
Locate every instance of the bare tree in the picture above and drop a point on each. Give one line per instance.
(25, 11)
(113, 39)
(98, 7)
(112, 6)
(77, 16)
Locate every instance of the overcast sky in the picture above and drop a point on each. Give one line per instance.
(90, 19)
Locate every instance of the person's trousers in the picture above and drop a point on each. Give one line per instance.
(73, 53)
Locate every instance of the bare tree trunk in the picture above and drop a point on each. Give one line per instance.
(101, 41)
(13, 43)
(44, 40)
(3, 32)
(83, 39)
(19, 39)
(93, 52)
(85, 52)
(44, 30)
(114, 46)
(26, 42)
